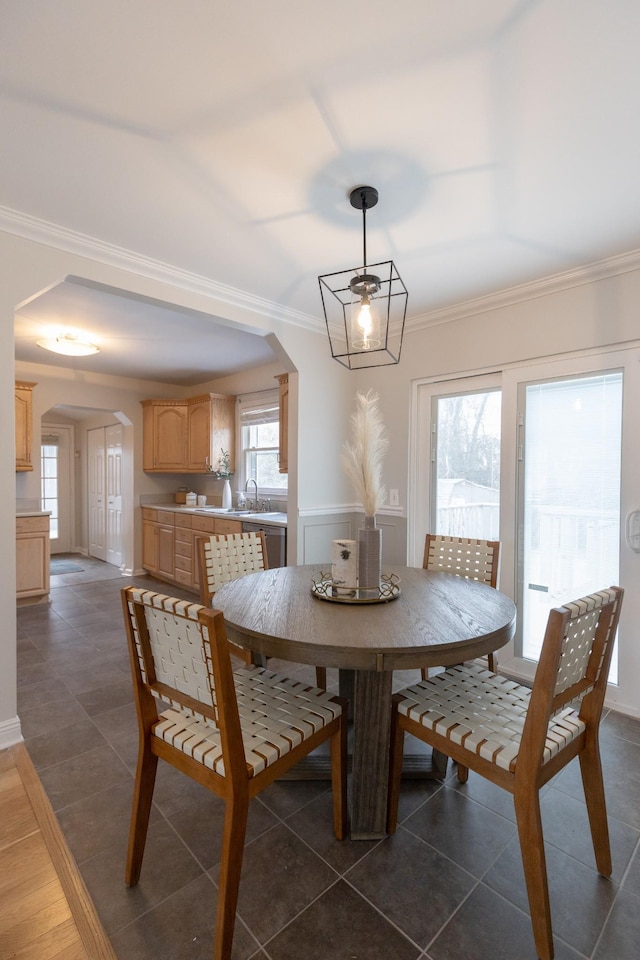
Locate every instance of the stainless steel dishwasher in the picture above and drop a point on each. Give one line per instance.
(275, 539)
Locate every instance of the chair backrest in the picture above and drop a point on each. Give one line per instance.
(227, 557)
(169, 661)
(574, 664)
(473, 559)
(179, 654)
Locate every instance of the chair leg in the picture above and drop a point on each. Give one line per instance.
(462, 773)
(321, 677)
(395, 771)
(527, 808)
(235, 828)
(140, 812)
(491, 660)
(591, 770)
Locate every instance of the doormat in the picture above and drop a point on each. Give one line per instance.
(64, 566)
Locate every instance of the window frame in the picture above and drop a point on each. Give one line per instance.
(254, 410)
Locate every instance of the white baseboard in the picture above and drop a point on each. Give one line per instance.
(10, 733)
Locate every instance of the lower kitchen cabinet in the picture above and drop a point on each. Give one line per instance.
(32, 558)
(170, 543)
(158, 543)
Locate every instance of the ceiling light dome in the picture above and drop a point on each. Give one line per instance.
(69, 344)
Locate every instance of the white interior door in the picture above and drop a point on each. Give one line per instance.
(97, 502)
(113, 438)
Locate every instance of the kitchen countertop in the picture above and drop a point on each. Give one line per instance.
(272, 518)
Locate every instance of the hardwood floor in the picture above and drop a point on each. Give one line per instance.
(45, 910)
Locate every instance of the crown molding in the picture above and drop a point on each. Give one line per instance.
(577, 276)
(51, 234)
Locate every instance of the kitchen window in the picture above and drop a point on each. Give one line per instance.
(260, 439)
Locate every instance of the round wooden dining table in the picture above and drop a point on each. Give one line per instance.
(437, 620)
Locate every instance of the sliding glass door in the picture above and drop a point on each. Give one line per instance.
(569, 490)
(466, 464)
(569, 485)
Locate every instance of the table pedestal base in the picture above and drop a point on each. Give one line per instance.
(369, 692)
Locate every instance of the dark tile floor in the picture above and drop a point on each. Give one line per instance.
(447, 886)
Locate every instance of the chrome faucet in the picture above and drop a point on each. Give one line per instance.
(246, 486)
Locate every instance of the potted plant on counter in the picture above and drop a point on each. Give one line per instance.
(224, 472)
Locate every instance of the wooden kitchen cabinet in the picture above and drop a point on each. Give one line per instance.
(164, 445)
(187, 436)
(170, 543)
(24, 425)
(32, 558)
(283, 459)
(158, 543)
(184, 553)
(211, 429)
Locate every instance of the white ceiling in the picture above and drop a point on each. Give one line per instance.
(137, 338)
(223, 139)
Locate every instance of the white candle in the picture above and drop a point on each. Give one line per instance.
(344, 561)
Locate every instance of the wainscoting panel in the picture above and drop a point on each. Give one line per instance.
(316, 533)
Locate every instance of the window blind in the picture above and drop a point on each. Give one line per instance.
(257, 408)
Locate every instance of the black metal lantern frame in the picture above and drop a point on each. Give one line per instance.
(365, 307)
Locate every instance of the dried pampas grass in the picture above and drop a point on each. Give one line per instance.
(362, 458)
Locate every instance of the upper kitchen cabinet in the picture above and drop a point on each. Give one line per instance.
(211, 429)
(165, 438)
(187, 436)
(24, 418)
(283, 459)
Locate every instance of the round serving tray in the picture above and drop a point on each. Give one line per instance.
(324, 588)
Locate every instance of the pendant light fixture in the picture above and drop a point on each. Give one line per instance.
(364, 307)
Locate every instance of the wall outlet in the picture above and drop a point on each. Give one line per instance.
(394, 498)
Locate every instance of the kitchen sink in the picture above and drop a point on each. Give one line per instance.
(226, 513)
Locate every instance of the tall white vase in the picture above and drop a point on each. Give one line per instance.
(226, 496)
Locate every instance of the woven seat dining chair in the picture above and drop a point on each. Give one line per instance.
(234, 732)
(463, 557)
(518, 738)
(226, 557)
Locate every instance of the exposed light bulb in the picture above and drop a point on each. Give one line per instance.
(365, 324)
(365, 321)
